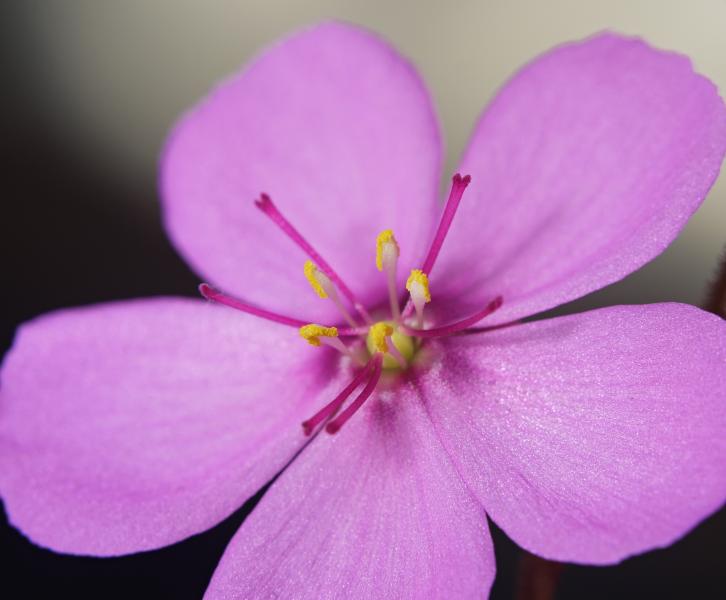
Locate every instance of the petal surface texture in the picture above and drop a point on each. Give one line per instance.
(376, 511)
(339, 130)
(130, 426)
(591, 437)
(585, 166)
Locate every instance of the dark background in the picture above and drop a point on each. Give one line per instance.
(80, 224)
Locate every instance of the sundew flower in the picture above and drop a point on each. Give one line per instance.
(587, 438)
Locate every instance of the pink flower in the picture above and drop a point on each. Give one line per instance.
(587, 438)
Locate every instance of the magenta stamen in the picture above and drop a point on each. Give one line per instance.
(265, 204)
(454, 327)
(458, 185)
(334, 426)
(333, 406)
(216, 296)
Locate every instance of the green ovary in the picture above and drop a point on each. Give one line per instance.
(405, 344)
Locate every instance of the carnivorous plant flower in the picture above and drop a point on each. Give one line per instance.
(305, 191)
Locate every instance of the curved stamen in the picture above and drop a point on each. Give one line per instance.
(265, 204)
(335, 425)
(216, 296)
(314, 334)
(458, 326)
(334, 405)
(318, 335)
(323, 287)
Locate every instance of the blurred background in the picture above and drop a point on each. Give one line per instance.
(89, 91)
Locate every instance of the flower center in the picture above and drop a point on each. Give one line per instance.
(397, 347)
(370, 346)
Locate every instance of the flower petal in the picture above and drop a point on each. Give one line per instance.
(129, 426)
(591, 437)
(376, 511)
(585, 166)
(339, 130)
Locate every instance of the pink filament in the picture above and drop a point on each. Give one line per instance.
(332, 407)
(216, 296)
(458, 185)
(458, 326)
(265, 204)
(334, 426)
(352, 331)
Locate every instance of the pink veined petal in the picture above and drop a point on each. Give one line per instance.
(591, 437)
(375, 511)
(129, 426)
(340, 131)
(585, 166)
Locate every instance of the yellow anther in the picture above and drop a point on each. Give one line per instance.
(312, 272)
(312, 333)
(419, 278)
(384, 239)
(378, 334)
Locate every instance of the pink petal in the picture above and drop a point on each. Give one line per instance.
(591, 437)
(129, 426)
(585, 166)
(339, 130)
(375, 511)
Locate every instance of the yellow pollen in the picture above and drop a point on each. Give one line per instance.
(378, 334)
(403, 343)
(384, 238)
(311, 272)
(417, 276)
(312, 333)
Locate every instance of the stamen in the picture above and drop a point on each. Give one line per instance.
(335, 425)
(385, 339)
(314, 278)
(458, 185)
(216, 296)
(380, 334)
(265, 204)
(387, 249)
(387, 253)
(324, 288)
(317, 335)
(418, 286)
(334, 405)
(458, 326)
(312, 333)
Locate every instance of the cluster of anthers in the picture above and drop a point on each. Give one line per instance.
(371, 346)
